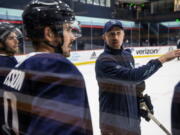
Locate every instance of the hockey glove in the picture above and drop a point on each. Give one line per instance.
(145, 107)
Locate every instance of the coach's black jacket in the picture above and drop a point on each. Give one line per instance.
(117, 79)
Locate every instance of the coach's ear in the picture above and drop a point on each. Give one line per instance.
(48, 34)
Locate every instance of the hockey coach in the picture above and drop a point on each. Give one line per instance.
(118, 80)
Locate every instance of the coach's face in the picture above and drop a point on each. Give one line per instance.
(114, 38)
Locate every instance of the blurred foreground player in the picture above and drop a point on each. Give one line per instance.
(46, 94)
(175, 111)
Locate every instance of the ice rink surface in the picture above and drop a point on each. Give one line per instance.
(160, 87)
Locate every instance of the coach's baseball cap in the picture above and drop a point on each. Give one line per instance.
(111, 24)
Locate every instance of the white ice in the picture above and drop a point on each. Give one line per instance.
(160, 87)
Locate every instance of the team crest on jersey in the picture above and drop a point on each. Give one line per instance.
(15, 79)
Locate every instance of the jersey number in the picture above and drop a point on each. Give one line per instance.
(10, 101)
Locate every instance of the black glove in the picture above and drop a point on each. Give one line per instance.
(147, 100)
(143, 111)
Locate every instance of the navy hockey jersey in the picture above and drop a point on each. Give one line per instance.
(7, 61)
(46, 95)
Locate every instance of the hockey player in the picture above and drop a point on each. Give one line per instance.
(175, 111)
(118, 79)
(46, 94)
(9, 44)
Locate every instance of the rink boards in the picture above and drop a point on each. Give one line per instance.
(90, 56)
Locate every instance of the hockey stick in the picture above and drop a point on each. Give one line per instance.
(151, 116)
(158, 123)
